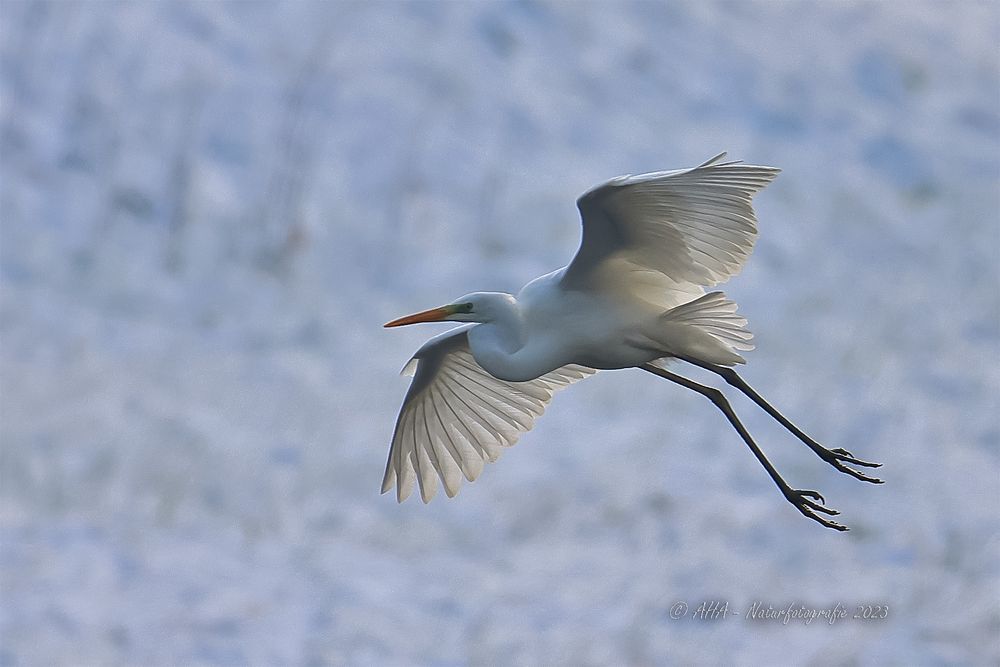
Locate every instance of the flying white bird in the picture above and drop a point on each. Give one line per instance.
(633, 296)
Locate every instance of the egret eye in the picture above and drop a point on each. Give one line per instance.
(467, 307)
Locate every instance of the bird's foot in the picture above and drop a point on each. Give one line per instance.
(838, 457)
(847, 457)
(811, 502)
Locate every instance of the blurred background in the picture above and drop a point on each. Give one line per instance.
(209, 209)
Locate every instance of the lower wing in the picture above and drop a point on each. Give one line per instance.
(456, 416)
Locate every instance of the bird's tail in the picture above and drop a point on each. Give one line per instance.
(707, 328)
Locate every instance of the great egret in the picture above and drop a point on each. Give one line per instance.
(633, 296)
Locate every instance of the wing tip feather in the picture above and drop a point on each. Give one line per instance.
(713, 160)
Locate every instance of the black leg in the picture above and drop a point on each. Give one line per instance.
(835, 457)
(797, 497)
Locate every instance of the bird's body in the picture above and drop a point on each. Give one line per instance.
(546, 326)
(633, 296)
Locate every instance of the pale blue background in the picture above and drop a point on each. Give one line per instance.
(209, 209)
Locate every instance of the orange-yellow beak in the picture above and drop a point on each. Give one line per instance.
(432, 315)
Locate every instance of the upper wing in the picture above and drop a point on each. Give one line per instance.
(692, 225)
(456, 416)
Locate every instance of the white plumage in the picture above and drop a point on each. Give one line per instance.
(693, 226)
(456, 416)
(633, 296)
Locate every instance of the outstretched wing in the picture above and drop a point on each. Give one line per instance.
(692, 225)
(456, 416)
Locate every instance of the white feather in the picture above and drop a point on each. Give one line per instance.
(693, 226)
(456, 417)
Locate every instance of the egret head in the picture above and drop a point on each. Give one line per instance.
(474, 307)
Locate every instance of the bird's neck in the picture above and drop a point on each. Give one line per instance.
(498, 346)
(504, 332)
